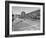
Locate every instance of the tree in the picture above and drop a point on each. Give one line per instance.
(12, 17)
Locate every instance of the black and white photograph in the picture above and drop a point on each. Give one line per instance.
(25, 18)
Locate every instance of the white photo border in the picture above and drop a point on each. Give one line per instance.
(25, 32)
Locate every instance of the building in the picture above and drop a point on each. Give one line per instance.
(32, 15)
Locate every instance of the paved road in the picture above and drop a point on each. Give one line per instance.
(26, 25)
